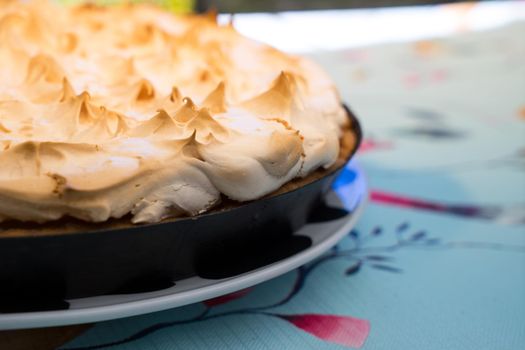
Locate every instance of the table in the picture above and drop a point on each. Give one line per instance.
(438, 260)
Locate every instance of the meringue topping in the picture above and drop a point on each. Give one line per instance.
(109, 111)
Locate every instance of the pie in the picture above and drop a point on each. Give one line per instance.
(132, 112)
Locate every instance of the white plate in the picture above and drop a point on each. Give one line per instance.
(350, 194)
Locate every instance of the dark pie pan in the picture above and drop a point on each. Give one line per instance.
(39, 271)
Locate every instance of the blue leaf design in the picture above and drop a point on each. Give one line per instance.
(402, 227)
(433, 241)
(418, 235)
(376, 231)
(354, 268)
(379, 258)
(387, 268)
(354, 234)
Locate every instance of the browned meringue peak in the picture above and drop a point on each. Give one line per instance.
(206, 129)
(145, 92)
(4, 130)
(25, 26)
(67, 91)
(78, 119)
(276, 103)
(198, 121)
(144, 33)
(44, 80)
(43, 67)
(216, 100)
(175, 96)
(189, 121)
(67, 42)
(169, 103)
(281, 150)
(161, 126)
(15, 25)
(147, 33)
(140, 103)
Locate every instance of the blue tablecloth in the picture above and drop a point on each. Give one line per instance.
(438, 260)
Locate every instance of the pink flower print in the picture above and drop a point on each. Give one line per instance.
(342, 330)
(439, 75)
(356, 55)
(372, 145)
(223, 299)
(412, 80)
(510, 215)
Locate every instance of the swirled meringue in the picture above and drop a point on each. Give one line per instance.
(106, 112)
